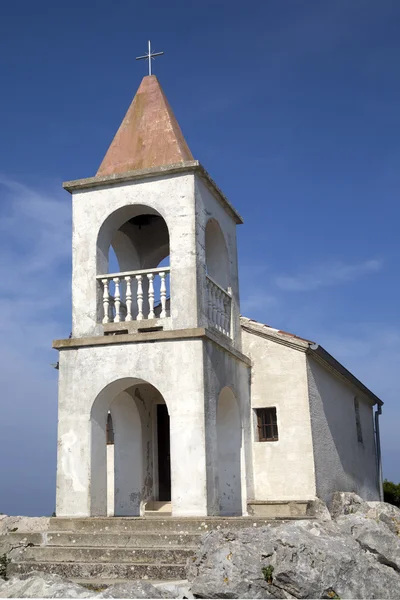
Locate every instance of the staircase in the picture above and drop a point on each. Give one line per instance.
(112, 549)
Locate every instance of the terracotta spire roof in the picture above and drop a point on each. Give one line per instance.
(149, 136)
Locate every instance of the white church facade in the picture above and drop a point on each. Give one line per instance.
(167, 396)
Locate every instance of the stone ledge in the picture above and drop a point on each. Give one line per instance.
(192, 166)
(151, 336)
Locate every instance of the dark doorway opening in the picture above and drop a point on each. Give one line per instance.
(164, 460)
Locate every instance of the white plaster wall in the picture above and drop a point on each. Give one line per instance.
(341, 462)
(128, 458)
(173, 198)
(229, 443)
(283, 470)
(110, 480)
(221, 370)
(99, 373)
(208, 207)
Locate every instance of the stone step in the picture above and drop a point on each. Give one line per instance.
(121, 540)
(100, 571)
(157, 524)
(161, 555)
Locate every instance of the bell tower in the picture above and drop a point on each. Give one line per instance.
(161, 330)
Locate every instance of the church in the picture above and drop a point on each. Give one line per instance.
(169, 400)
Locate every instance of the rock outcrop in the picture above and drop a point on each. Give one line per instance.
(356, 555)
(45, 585)
(353, 551)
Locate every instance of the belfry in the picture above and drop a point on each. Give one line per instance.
(168, 398)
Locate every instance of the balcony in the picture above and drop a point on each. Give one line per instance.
(143, 296)
(135, 295)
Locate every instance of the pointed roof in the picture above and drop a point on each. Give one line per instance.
(149, 135)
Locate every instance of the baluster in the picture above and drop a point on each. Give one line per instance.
(219, 310)
(163, 296)
(214, 304)
(225, 325)
(139, 297)
(150, 277)
(117, 300)
(128, 298)
(106, 301)
(210, 306)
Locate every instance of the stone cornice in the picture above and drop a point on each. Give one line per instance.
(192, 166)
(151, 336)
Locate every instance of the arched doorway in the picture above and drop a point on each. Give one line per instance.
(138, 466)
(229, 444)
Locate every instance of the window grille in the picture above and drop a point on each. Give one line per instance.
(267, 424)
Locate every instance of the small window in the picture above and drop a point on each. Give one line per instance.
(267, 424)
(109, 430)
(358, 421)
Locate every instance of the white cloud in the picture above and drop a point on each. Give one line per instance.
(326, 275)
(35, 256)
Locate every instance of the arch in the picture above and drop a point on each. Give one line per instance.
(127, 403)
(139, 236)
(217, 259)
(229, 443)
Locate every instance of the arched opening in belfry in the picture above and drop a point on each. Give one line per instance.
(229, 445)
(133, 266)
(218, 279)
(130, 449)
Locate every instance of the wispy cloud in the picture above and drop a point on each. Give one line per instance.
(35, 255)
(326, 275)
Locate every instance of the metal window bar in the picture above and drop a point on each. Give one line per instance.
(267, 425)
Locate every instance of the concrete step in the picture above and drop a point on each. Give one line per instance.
(122, 540)
(100, 571)
(49, 554)
(157, 524)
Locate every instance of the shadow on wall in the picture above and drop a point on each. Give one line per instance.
(342, 461)
(229, 443)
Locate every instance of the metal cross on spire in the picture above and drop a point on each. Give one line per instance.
(149, 56)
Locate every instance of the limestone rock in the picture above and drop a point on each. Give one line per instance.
(179, 589)
(304, 559)
(347, 503)
(318, 509)
(387, 513)
(373, 536)
(25, 524)
(135, 589)
(42, 585)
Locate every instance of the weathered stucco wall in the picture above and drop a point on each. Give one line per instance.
(208, 207)
(283, 470)
(221, 371)
(173, 198)
(89, 380)
(342, 463)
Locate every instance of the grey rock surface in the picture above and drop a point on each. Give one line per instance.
(373, 536)
(318, 509)
(305, 559)
(23, 524)
(347, 503)
(135, 589)
(178, 589)
(42, 585)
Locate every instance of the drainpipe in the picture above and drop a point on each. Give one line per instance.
(378, 451)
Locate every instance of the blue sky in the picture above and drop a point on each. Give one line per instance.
(293, 108)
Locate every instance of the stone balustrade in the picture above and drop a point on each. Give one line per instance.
(219, 307)
(135, 295)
